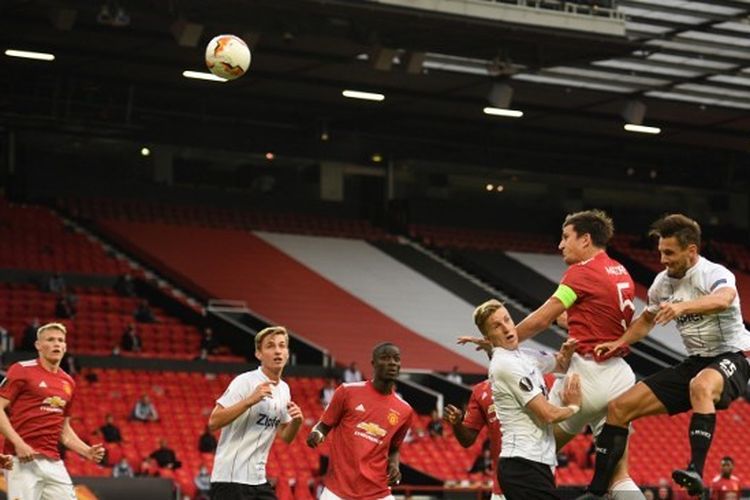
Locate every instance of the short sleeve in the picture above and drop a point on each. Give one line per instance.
(285, 418)
(544, 360)
(653, 297)
(12, 384)
(575, 279)
(516, 380)
(238, 390)
(400, 434)
(719, 277)
(474, 417)
(71, 402)
(335, 410)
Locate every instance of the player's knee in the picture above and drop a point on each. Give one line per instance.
(701, 388)
(618, 412)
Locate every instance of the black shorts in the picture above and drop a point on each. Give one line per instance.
(672, 385)
(523, 479)
(238, 491)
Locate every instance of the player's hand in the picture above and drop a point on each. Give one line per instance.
(572, 391)
(607, 348)
(394, 474)
(294, 411)
(481, 343)
(452, 415)
(6, 461)
(25, 453)
(562, 357)
(315, 438)
(667, 312)
(95, 452)
(264, 390)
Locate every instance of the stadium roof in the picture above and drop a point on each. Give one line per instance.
(688, 62)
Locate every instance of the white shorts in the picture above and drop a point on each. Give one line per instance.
(600, 384)
(329, 495)
(495, 496)
(40, 479)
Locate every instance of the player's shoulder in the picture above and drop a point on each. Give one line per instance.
(353, 386)
(402, 401)
(21, 368)
(479, 388)
(705, 266)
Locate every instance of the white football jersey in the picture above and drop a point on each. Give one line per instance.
(244, 444)
(702, 334)
(516, 378)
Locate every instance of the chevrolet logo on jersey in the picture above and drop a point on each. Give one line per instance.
(372, 429)
(53, 404)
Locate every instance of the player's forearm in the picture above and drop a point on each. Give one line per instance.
(70, 440)
(8, 431)
(465, 436)
(560, 413)
(221, 417)
(638, 329)
(290, 430)
(394, 458)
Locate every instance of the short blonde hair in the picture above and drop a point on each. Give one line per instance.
(271, 330)
(50, 326)
(484, 311)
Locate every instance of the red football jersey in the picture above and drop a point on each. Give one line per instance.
(726, 489)
(39, 402)
(480, 412)
(604, 305)
(365, 425)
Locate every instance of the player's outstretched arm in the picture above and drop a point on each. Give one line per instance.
(70, 440)
(713, 303)
(317, 434)
(221, 417)
(541, 319)
(454, 416)
(24, 452)
(637, 330)
(289, 430)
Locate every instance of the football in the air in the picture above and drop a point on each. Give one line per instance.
(227, 56)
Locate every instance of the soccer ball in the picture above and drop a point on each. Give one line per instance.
(227, 56)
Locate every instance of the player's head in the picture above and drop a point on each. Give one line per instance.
(494, 322)
(727, 466)
(50, 342)
(679, 243)
(272, 347)
(386, 362)
(584, 234)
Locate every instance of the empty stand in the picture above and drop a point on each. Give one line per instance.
(34, 238)
(101, 318)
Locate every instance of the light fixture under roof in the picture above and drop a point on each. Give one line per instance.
(27, 54)
(642, 129)
(201, 75)
(510, 113)
(575, 83)
(366, 96)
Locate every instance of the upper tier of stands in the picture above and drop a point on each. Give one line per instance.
(228, 218)
(34, 238)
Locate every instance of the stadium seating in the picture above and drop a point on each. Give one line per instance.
(101, 318)
(34, 238)
(229, 218)
(481, 239)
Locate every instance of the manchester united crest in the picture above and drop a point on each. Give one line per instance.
(392, 417)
